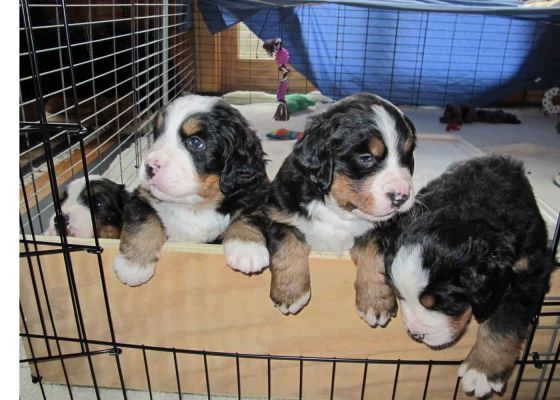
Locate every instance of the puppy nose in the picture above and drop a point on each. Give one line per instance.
(398, 198)
(152, 167)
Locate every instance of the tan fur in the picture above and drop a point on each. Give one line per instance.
(408, 144)
(493, 354)
(372, 292)
(210, 190)
(521, 265)
(377, 147)
(459, 324)
(159, 120)
(142, 244)
(350, 194)
(279, 216)
(242, 230)
(427, 300)
(108, 232)
(289, 268)
(190, 127)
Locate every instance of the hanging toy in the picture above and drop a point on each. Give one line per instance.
(274, 48)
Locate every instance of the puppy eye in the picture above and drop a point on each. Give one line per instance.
(98, 205)
(195, 142)
(366, 158)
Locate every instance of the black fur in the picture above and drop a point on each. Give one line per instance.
(108, 200)
(332, 142)
(473, 224)
(233, 151)
(466, 114)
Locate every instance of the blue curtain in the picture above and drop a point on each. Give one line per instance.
(409, 57)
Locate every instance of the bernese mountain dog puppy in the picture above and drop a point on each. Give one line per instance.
(350, 172)
(108, 200)
(205, 169)
(475, 245)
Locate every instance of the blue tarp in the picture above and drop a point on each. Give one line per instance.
(410, 56)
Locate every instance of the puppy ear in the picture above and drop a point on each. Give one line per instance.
(410, 125)
(313, 153)
(244, 166)
(244, 169)
(490, 272)
(158, 124)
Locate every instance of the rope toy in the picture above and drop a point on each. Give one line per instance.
(273, 48)
(284, 134)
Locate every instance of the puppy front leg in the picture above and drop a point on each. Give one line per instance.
(245, 246)
(375, 300)
(142, 238)
(491, 360)
(290, 287)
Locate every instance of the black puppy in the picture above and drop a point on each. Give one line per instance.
(350, 172)
(466, 114)
(108, 200)
(474, 245)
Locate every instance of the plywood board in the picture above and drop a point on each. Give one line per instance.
(196, 302)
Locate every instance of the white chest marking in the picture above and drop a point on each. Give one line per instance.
(331, 228)
(184, 224)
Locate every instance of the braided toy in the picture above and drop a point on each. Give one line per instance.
(274, 48)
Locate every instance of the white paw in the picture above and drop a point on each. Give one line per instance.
(371, 317)
(477, 382)
(295, 306)
(132, 274)
(246, 257)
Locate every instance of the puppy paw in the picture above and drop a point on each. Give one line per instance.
(478, 382)
(130, 273)
(374, 318)
(246, 257)
(292, 307)
(376, 305)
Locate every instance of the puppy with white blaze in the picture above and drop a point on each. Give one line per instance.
(108, 200)
(348, 174)
(475, 245)
(204, 172)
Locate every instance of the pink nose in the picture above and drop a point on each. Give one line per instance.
(152, 167)
(398, 198)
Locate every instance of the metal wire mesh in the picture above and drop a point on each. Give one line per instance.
(128, 60)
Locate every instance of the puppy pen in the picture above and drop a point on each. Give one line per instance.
(92, 76)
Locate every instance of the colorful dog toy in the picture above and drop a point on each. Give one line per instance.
(284, 134)
(274, 48)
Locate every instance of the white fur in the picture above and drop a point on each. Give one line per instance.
(477, 382)
(176, 179)
(184, 223)
(246, 257)
(295, 306)
(330, 228)
(393, 177)
(79, 215)
(131, 274)
(410, 279)
(371, 318)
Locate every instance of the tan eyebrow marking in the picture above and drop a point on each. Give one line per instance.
(190, 127)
